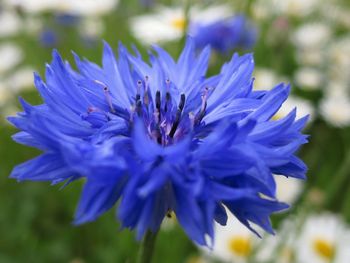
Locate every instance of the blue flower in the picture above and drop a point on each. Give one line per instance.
(162, 137)
(225, 35)
(48, 38)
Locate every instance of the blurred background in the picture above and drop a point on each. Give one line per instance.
(304, 42)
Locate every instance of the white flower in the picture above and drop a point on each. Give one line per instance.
(165, 25)
(309, 78)
(10, 23)
(338, 54)
(296, 8)
(79, 7)
(335, 109)
(303, 106)
(92, 27)
(5, 95)
(265, 79)
(33, 6)
(323, 239)
(311, 57)
(281, 247)
(288, 189)
(86, 7)
(33, 25)
(10, 56)
(312, 35)
(233, 242)
(168, 24)
(336, 13)
(21, 79)
(263, 9)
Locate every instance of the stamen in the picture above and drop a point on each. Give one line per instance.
(178, 115)
(139, 86)
(167, 81)
(107, 94)
(203, 106)
(108, 98)
(145, 96)
(167, 100)
(182, 102)
(139, 107)
(158, 103)
(158, 100)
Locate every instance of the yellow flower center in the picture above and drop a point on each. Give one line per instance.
(324, 248)
(240, 246)
(287, 254)
(277, 116)
(179, 23)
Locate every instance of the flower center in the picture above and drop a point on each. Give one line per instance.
(240, 245)
(323, 248)
(287, 254)
(277, 116)
(165, 119)
(178, 23)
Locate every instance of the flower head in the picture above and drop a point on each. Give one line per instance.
(323, 238)
(226, 34)
(162, 137)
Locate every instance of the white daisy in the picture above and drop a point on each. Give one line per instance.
(165, 25)
(168, 24)
(312, 35)
(281, 247)
(298, 8)
(233, 242)
(265, 79)
(309, 78)
(338, 53)
(5, 95)
(10, 23)
(33, 6)
(79, 7)
(92, 27)
(303, 106)
(288, 189)
(310, 57)
(10, 56)
(21, 79)
(323, 239)
(86, 7)
(335, 109)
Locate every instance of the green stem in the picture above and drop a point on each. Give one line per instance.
(339, 180)
(248, 7)
(147, 248)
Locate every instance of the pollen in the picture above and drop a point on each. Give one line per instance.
(324, 248)
(179, 23)
(240, 246)
(277, 116)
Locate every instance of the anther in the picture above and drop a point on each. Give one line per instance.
(158, 100)
(178, 115)
(139, 107)
(145, 96)
(158, 103)
(182, 102)
(139, 86)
